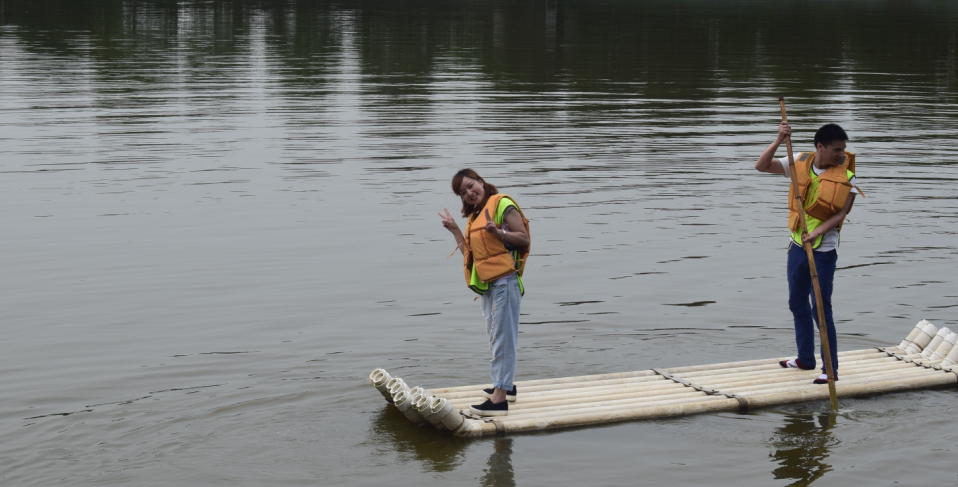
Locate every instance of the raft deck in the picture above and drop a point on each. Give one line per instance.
(605, 398)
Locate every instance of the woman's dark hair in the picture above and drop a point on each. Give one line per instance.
(829, 133)
(487, 188)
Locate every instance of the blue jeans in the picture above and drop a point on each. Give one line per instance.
(500, 307)
(801, 301)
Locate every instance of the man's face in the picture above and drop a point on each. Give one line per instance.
(830, 155)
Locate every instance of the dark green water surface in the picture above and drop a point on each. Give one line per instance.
(218, 217)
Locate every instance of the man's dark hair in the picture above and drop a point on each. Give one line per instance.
(829, 133)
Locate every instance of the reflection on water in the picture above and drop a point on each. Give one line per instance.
(499, 468)
(392, 432)
(436, 452)
(803, 444)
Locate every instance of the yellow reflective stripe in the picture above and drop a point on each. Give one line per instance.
(475, 284)
(812, 223)
(811, 196)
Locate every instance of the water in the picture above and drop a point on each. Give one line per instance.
(219, 217)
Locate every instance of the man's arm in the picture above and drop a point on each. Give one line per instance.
(831, 222)
(766, 162)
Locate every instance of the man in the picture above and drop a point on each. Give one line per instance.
(827, 183)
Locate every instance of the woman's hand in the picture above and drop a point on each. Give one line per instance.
(449, 222)
(491, 225)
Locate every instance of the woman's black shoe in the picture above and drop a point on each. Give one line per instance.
(510, 395)
(489, 409)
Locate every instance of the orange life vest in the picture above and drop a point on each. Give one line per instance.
(486, 251)
(829, 191)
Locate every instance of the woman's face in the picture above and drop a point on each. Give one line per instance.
(471, 191)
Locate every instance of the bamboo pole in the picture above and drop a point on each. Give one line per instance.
(650, 389)
(610, 406)
(475, 428)
(634, 375)
(869, 387)
(780, 372)
(677, 391)
(565, 412)
(651, 386)
(911, 335)
(936, 342)
(923, 339)
(736, 386)
(659, 382)
(557, 380)
(614, 415)
(775, 376)
(660, 388)
(946, 346)
(663, 386)
(765, 384)
(870, 362)
(623, 377)
(822, 330)
(761, 389)
(587, 405)
(775, 367)
(747, 363)
(786, 379)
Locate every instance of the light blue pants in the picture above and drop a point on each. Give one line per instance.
(500, 307)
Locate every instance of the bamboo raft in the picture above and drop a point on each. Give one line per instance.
(926, 358)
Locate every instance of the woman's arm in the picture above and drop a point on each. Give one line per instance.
(450, 224)
(516, 235)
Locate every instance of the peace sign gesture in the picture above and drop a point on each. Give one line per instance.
(449, 222)
(490, 224)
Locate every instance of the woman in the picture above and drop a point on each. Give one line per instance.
(494, 250)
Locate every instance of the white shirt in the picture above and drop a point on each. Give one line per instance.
(831, 238)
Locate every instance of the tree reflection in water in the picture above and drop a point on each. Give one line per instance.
(803, 446)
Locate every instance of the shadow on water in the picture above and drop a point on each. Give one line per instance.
(803, 447)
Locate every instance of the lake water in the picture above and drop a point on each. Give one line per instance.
(218, 217)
